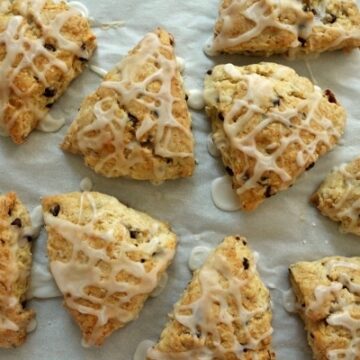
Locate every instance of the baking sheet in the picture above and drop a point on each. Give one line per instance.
(285, 229)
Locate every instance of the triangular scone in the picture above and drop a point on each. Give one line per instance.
(224, 313)
(137, 123)
(15, 267)
(106, 259)
(328, 296)
(339, 196)
(270, 126)
(266, 27)
(44, 45)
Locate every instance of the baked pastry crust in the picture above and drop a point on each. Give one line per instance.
(137, 124)
(224, 313)
(106, 259)
(15, 267)
(43, 46)
(328, 295)
(339, 197)
(266, 27)
(270, 125)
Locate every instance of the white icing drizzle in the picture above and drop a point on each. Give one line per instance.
(211, 147)
(311, 74)
(75, 277)
(19, 45)
(223, 195)
(196, 99)
(86, 184)
(347, 207)
(259, 90)
(198, 316)
(198, 256)
(37, 222)
(180, 64)
(80, 7)
(289, 301)
(98, 70)
(342, 314)
(110, 122)
(141, 350)
(268, 14)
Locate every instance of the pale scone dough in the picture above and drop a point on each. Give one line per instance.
(338, 197)
(266, 27)
(270, 126)
(15, 267)
(328, 296)
(44, 45)
(106, 259)
(137, 123)
(224, 314)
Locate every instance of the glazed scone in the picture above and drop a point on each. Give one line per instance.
(266, 27)
(15, 267)
(105, 258)
(137, 123)
(224, 313)
(270, 125)
(327, 292)
(44, 45)
(339, 197)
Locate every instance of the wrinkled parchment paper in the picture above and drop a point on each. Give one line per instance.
(285, 229)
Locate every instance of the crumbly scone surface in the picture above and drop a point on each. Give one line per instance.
(43, 46)
(270, 125)
(106, 259)
(15, 266)
(224, 313)
(266, 27)
(137, 123)
(339, 196)
(328, 295)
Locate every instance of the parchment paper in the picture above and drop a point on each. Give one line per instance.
(285, 229)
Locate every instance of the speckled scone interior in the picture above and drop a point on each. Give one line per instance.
(266, 27)
(137, 123)
(106, 259)
(224, 313)
(338, 197)
(15, 266)
(270, 125)
(44, 45)
(327, 293)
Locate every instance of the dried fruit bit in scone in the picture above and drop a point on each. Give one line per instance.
(44, 45)
(106, 259)
(224, 313)
(266, 27)
(15, 267)
(270, 126)
(339, 197)
(328, 293)
(137, 123)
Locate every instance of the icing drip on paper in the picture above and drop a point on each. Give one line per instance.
(198, 256)
(50, 124)
(199, 317)
(111, 121)
(86, 184)
(19, 45)
(259, 90)
(98, 70)
(343, 307)
(223, 195)
(196, 99)
(267, 14)
(141, 350)
(103, 269)
(211, 147)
